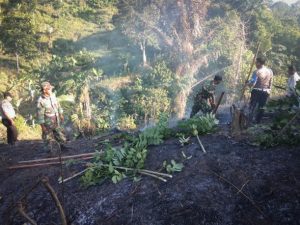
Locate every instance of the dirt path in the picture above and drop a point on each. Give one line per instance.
(203, 193)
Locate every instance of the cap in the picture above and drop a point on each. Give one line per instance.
(218, 78)
(7, 94)
(46, 84)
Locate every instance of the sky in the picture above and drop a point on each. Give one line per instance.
(287, 1)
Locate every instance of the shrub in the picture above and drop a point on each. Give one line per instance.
(25, 131)
(126, 122)
(205, 124)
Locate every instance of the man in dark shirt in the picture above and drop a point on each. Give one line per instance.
(204, 101)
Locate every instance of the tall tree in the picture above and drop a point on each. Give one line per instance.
(181, 32)
(137, 30)
(17, 32)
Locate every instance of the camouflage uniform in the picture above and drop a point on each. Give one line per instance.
(201, 100)
(48, 113)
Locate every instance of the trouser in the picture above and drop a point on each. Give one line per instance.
(53, 131)
(202, 106)
(257, 101)
(12, 132)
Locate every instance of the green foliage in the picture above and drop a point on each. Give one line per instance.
(285, 125)
(147, 103)
(131, 155)
(160, 76)
(150, 136)
(173, 167)
(25, 131)
(202, 125)
(126, 123)
(99, 12)
(18, 35)
(183, 140)
(101, 3)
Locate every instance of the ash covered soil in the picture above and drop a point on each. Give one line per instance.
(205, 192)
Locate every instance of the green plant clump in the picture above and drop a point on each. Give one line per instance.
(118, 163)
(204, 124)
(285, 126)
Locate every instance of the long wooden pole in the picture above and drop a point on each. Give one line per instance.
(218, 104)
(40, 164)
(57, 158)
(211, 75)
(250, 72)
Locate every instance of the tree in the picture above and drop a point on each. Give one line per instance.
(17, 33)
(181, 33)
(137, 30)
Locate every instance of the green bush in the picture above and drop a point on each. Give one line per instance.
(160, 76)
(126, 122)
(25, 131)
(205, 124)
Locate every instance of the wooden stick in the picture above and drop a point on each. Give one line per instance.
(200, 143)
(239, 191)
(218, 104)
(47, 185)
(157, 173)
(57, 158)
(140, 170)
(205, 78)
(152, 175)
(250, 72)
(144, 172)
(22, 166)
(279, 87)
(70, 178)
(24, 214)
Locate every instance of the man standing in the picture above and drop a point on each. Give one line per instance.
(292, 81)
(50, 115)
(204, 101)
(261, 82)
(8, 115)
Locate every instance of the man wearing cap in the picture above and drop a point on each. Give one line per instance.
(8, 115)
(50, 115)
(204, 101)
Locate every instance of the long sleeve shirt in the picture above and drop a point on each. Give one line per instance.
(47, 107)
(7, 110)
(291, 85)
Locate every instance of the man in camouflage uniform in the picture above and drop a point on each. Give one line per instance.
(50, 116)
(204, 101)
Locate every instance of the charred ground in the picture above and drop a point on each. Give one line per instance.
(203, 193)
